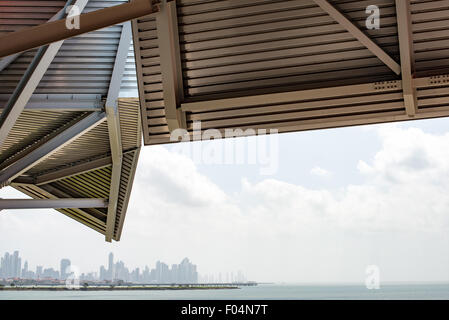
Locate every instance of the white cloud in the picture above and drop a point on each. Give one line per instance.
(320, 172)
(397, 219)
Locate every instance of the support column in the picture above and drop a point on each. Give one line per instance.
(113, 118)
(407, 56)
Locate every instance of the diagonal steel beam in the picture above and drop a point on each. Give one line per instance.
(69, 170)
(67, 203)
(6, 61)
(75, 103)
(29, 160)
(29, 83)
(407, 55)
(73, 170)
(57, 30)
(359, 35)
(171, 67)
(113, 118)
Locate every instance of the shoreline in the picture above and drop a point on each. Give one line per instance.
(116, 288)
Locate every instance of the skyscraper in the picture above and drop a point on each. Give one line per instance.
(103, 273)
(25, 270)
(65, 263)
(11, 265)
(16, 265)
(39, 272)
(111, 267)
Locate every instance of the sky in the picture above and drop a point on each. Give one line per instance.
(332, 203)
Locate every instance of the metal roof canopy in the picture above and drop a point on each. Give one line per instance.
(67, 137)
(289, 65)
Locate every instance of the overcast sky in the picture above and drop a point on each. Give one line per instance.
(340, 200)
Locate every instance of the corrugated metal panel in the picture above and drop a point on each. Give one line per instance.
(18, 14)
(94, 183)
(81, 71)
(129, 111)
(431, 36)
(380, 103)
(83, 64)
(96, 142)
(278, 46)
(252, 48)
(90, 145)
(32, 126)
(128, 89)
(126, 181)
(149, 73)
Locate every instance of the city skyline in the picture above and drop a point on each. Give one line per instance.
(115, 271)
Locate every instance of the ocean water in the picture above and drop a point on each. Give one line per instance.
(261, 292)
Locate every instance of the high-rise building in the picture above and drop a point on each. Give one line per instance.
(185, 272)
(17, 265)
(25, 270)
(11, 265)
(65, 264)
(103, 273)
(3, 266)
(111, 271)
(39, 272)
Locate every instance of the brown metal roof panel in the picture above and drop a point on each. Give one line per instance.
(83, 64)
(431, 36)
(90, 145)
(31, 127)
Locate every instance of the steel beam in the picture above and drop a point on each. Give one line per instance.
(289, 97)
(77, 214)
(6, 61)
(171, 68)
(113, 118)
(60, 105)
(57, 30)
(359, 35)
(407, 55)
(29, 83)
(73, 170)
(29, 160)
(68, 203)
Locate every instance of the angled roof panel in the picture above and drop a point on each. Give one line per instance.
(291, 65)
(75, 85)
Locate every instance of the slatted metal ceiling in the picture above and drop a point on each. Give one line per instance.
(80, 71)
(235, 49)
(83, 64)
(431, 36)
(278, 45)
(33, 126)
(94, 183)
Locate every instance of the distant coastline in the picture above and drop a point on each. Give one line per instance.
(117, 288)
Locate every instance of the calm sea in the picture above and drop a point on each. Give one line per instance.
(271, 292)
